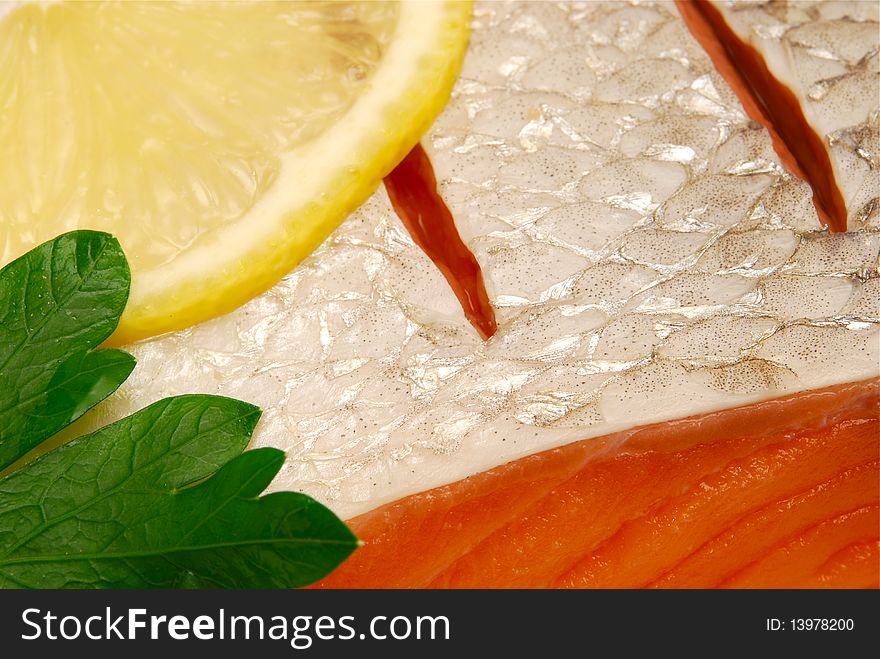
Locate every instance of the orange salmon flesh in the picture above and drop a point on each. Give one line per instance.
(779, 494)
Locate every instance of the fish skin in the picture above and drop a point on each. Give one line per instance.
(648, 257)
(826, 52)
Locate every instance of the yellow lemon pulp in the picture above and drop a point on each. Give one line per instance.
(220, 142)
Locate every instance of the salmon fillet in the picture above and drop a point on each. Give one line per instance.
(778, 494)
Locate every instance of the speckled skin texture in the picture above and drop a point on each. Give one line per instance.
(647, 256)
(826, 52)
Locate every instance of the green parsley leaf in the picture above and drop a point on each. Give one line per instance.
(57, 303)
(163, 498)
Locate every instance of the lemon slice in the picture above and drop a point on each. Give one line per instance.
(220, 142)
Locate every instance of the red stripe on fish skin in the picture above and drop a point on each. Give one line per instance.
(696, 502)
(412, 189)
(771, 103)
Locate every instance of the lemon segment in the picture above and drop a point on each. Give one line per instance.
(220, 142)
